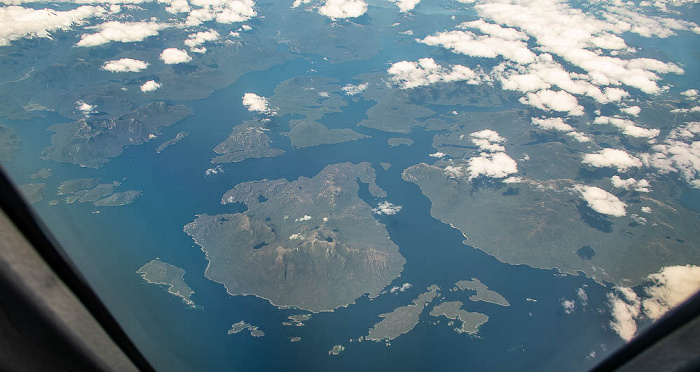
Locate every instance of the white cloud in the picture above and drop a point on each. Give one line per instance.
(125, 65)
(557, 124)
(386, 208)
(438, 155)
(628, 127)
(632, 110)
(568, 305)
(127, 32)
(150, 86)
(402, 288)
(213, 171)
(488, 140)
(17, 22)
(174, 56)
(195, 40)
(496, 165)
(613, 158)
(560, 101)
(495, 30)
(646, 209)
(427, 72)
(406, 5)
(470, 44)
(670, 287)
(296, 236)
(221, 11)
(338, 9)
(680, 153)
(580, 40)
(256, 103)
(631, 184)
(582, 296)
(664, 290)
(602, 201)
(626, 307)
(690, 93)
(352, 90)
(306, 217)
(85, 107)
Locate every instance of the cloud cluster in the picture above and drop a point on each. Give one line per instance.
(485, 46)
(602, 201)
(612, 158)
(256, 103)
(406, 5)
(125, 65)
(126, 32)
(352, 90)
(339, 9)
(403, 288)
(492, 162)
(568, 305)
(627, 127)
(426, 72)
(194, 41)
(631, 184)
(85, 107)
(550, 100)
(663, 291)
(680, 152)
(306, 217)
(150, 86)
(17, 22)
(213, 171)
(386, 208)
(221, 11)
(174, 56)
(558, 124)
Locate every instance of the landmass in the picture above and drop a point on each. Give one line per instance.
(242, 325)
(89, 190)
(393, 142)
(403, 319)
(336, 350)
(91, 142)
(547, 222)
(306, 133)
(385, 166)
(295, 339)
(312, 97)
(161, 273)
(482, 292)
(178, 137)
(311, 243)
(297, 320)
(42, 173)
(33, 192)
(246, 141)
(9, 143)
(453, 310)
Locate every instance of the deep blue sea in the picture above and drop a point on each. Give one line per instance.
(111, 245)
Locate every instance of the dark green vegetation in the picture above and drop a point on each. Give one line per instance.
(248, 140)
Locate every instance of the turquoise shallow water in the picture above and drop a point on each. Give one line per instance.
(110, 246)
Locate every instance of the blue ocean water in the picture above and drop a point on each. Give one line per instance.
(111, 245)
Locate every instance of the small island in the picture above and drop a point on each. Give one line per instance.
(453, 310)
(242, 325)
(482, 292)
(403, 319)
(397, 141)
(336, 350)
(178, 137)
(33, 192)
(89, 190)
(42, 173)
(161, 273)
(246, 141)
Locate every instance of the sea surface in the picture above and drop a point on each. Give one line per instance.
(110, 246)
